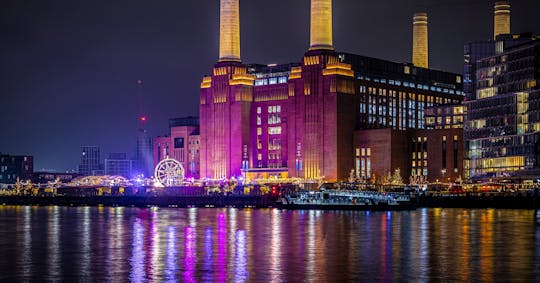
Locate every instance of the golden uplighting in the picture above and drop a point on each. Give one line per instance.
(229, 31)
(321, 25)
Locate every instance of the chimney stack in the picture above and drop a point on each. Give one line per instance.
(420, 40)
(229, 31)
(321, 25)
(501, 18)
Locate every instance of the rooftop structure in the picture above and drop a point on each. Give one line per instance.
(420, 40)
(297, 120)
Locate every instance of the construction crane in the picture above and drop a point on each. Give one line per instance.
(142, 116)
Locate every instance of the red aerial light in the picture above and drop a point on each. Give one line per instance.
(143, 118)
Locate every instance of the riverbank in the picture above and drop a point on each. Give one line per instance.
(266, 201)
(144, 201)
(479, 201)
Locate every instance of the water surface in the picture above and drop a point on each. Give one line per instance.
(96, 244)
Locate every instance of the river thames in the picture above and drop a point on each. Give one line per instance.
(97, 244)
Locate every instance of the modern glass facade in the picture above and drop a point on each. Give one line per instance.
(503, 121)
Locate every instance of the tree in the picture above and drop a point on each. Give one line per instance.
(396, 178)
(352, 178)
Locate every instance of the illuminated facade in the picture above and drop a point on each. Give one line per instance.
(321, 25)
(436, 155)
(298, 120)
(229, 30)
(447, 116)
(182, 144)
(502, 131)
(420, 40)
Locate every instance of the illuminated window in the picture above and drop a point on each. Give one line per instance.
(258, 110)
(259, 131)
(274, 130)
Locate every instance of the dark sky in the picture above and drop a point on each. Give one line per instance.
(69, 68)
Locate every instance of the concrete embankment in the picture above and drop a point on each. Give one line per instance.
(143, 201)
(479, 201)
(476, 201)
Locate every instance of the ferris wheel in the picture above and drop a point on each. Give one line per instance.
(169, 172)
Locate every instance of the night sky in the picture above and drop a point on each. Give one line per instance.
(69, 68)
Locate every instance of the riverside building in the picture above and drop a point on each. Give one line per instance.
(502, 129)
(300, 120)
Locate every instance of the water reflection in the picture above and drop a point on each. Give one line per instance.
(275, 245)
(170, 271)
(240, 261)
(221, 248)
(53, 236)
(25, 262)
(137, 258)
(85, 245)
(189, 255)
(231, 245)
(208, 255)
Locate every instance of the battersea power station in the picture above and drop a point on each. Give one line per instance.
(324, 116)
(330, 116)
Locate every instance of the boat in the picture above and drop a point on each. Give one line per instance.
(346, 200)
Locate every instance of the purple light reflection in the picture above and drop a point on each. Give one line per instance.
(170, 271)
(189, 255)
(207, 275)
(240, 263)
(136, 261)
(222, 249)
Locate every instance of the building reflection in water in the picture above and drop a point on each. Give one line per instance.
(240, 262)
(154, 252)
(116, 241)
(53, 237)
(275, 245)
(464, 246)
(310, 250)
(208, 256)
(85, 247)
(189, 254)
(25, 245)
(221, 248)
(137, 259)
(171, 267)
(232, 245)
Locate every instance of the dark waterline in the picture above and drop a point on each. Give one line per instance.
(260, 245)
